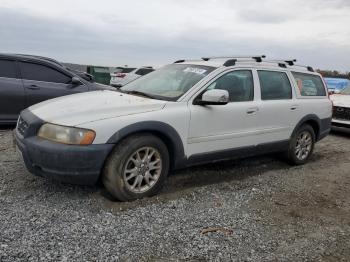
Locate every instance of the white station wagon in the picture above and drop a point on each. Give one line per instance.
(186, 113)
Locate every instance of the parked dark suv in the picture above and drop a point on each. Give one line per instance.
(26, 80)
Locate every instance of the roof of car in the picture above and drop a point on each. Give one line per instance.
(247, 61)
(35, 57)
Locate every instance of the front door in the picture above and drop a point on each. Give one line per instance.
(42, 82)
(217, 128)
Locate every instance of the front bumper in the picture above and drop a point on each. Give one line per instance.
(67, 163)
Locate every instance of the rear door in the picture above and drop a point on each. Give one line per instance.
(12, 99)
(42, 82)
(279, 110)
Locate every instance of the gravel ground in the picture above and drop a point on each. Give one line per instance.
(258, 209)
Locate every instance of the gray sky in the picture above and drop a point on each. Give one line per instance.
(156, 32)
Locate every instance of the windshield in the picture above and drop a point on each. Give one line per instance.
(346, 91)
(169, 82)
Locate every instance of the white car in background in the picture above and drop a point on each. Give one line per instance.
(124, 75)
(341, 110)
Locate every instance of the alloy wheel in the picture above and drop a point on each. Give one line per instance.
(142, 169)
(303, 145)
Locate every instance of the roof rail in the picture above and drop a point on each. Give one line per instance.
(309, 68)
(290, 62)
(232, 60)
(257, 58)
(287, 61)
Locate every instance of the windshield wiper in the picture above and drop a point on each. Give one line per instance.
(135, 92)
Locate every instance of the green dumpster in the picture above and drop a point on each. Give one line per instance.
(101, 74)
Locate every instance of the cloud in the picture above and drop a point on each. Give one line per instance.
(156, 32)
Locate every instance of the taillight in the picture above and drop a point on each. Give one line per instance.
(120, 75)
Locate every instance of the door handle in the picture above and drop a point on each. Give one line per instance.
(33, 87)
(294, 107)
(252, 110)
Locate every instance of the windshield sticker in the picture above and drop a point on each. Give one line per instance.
(195, 70)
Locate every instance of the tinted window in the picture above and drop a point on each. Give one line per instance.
(38, 72)
(239, 85)
(143, 71)
(274, 85)
(309, 85)
(7, 69)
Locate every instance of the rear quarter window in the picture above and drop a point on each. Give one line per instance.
(309, 85)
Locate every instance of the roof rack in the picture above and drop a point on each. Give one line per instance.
(290, 62)
(257, 58)
(231, 61)
(309, 68)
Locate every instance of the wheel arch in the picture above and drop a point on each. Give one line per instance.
(314, 121)
(164, 131)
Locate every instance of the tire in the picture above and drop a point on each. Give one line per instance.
(303, 138)
(128, 174)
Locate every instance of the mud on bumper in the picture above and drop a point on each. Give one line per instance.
(67, 163)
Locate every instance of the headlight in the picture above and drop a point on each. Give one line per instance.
(67, 135)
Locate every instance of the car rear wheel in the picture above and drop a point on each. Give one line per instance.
(301, 145)
(137, 168)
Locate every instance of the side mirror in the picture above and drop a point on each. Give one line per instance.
(214, 97)
(76, 81)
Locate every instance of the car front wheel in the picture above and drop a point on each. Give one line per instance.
(137, 167)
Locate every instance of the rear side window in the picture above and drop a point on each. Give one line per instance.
(274, 85)
(31, 71)
(144, 71)
(309, 85)
(8, 69)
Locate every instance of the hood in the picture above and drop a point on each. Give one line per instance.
(80, 108)
(340, 100)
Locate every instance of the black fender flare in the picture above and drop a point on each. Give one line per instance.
(157, 127)
(310, 117)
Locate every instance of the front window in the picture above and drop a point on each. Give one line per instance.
(239, 85)
(169, 82)
(345, 91)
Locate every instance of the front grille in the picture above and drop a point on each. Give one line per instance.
(22, 126)
(341, 113)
